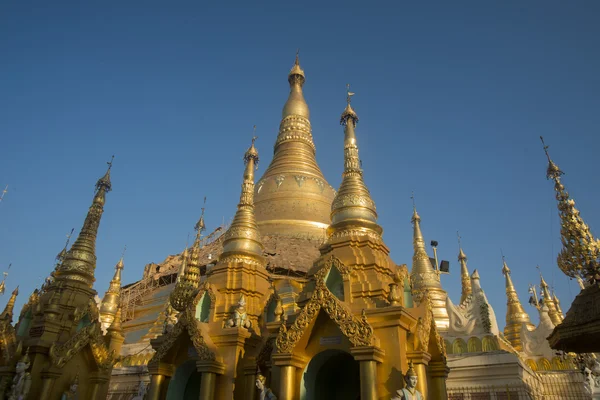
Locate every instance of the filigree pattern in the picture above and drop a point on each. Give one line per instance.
(357, 330)
(190, 324)
(352, 199)
(91, 334)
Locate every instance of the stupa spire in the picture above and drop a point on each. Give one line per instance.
(79, 263)
(555, 316)
(425, 278)
(7, 314)
(112, 298)
(293, 197)
(515, 313)
(352, 206)
(465, 280)
(580, 254)
(243, 238)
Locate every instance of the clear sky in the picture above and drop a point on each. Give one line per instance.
(452, 97)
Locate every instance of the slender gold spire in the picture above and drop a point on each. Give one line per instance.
(580, 254)
(80, 261)
(180, 295)
(112, 298)
(555, 316)
(243, 237)
(116, 323)
(515, 313)
(464, 273)
(353, 207)
(557, 304)
(293, 197)
(425, 278)
(7, 314)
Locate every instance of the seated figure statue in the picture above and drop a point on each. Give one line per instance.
(22, 380)
(265, 392)
(71, 394)
(409, 392)
(239, 316)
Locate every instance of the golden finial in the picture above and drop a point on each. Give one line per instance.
(580, 254)
(466, 287)
(3, 283)
(80, 261)
(548, 300)
(352, 206)
(296, 73)
(243, 237)
(349, 113)
(515, 313)
(7, 314)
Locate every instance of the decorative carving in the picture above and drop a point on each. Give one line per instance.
(300, 179)
(353, 199)
(239, 316)
(279, 180)
(188, 322)
(320, 184)
(357, 330)
(91, 334)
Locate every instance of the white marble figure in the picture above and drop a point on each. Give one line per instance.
(409, 392)
(239, 316)
(71, 394)
(141, 391)
(22, 380)
(469, 317)
(265, 392)
(534, 342)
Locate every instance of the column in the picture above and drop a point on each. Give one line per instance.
(368, 357)
(209, 371)
(160, 374)
(288, 363)
(420, 361)
(99, 388)
(250, 379)
(48, 379)
(439, 373)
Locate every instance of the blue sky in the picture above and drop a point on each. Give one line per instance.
(452, 97)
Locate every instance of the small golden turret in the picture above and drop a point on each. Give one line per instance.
(79, 263)
(464, 274)
(293, 197)
(243, 238)
(7, 314)
(557, 304)
(112, 298)
(425, 278)
(580, 254)
(553, 313)
(515, 313)
(353, 208)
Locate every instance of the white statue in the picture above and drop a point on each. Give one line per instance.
(141, 391)
(409, 392)
(534, 342)
(265, 392)
(22, 380)
(475, 315)
(71, 394)
(239, 316)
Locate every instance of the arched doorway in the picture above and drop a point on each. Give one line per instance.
(331, 375)
(185, 384)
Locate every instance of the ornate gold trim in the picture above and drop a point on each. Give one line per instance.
(357, 330)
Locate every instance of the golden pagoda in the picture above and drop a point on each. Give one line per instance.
(59, 328)
(242, 326)
(293, 198)
(426, 278)
(516, 315)
(112, 298)
(465, 278)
